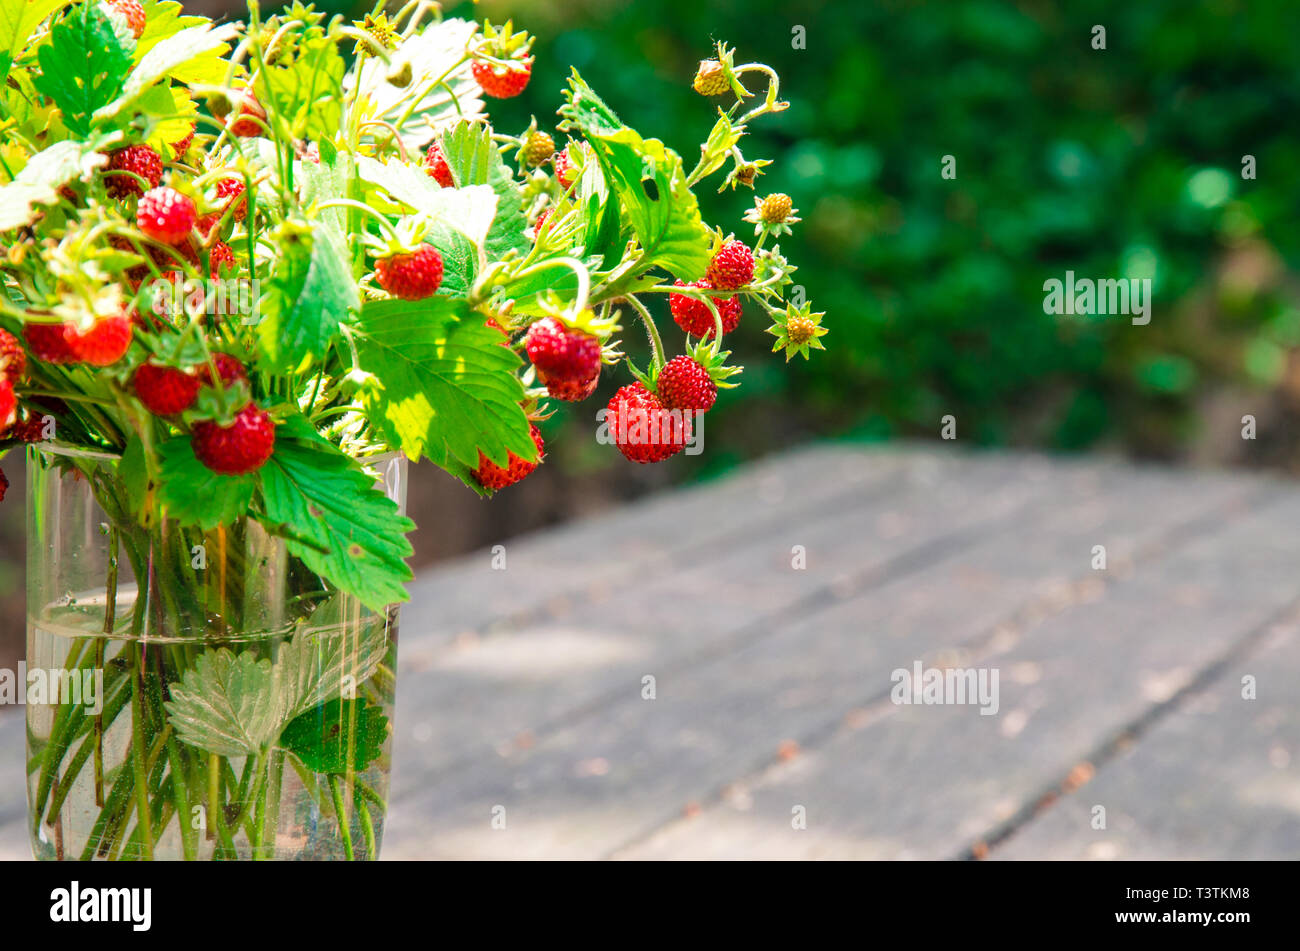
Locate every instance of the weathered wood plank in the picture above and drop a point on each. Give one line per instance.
(476, 699)
(927, 782)
(629, 765)
(1216, 778)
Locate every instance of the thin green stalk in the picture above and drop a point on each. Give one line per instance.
(341, 813)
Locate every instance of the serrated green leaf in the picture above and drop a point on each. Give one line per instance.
(133, 471)
(175, 103)
(227, 704)
(308, 93)
(336, 521)
(469, 211)
(339, 737)
(443, 386)
(310, 295)
(193, 494)
(474, 159)
(18, 20)
(666, 217)
(84, 67)
(181, 56)
(41, 178)
(330, 658)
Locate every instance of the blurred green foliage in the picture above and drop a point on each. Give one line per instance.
(1122, 162)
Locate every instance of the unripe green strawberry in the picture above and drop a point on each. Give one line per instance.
(775, 208)
(710, 79)
(538, 148)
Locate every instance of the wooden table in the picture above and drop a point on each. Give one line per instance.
(523, 692)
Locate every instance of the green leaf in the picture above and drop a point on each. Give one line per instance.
(84, 66)
(187, 56)
(42, 177)
(335, 520)
(474, 159)
(133, 471)
(195, 495)
(311, 294)
(443, 385)
(665, 217)
(227, 704)
(330, 658)
(18, 20)
(470, 211)
(308, 93)
(339, 737)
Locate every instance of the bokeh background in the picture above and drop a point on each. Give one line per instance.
(1122, 162)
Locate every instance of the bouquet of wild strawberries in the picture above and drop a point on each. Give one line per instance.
(244, 262)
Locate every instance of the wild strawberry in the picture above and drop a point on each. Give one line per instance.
(183, 146)
(242, 447)
(732, 266)
(541, 221)
(166, 215)
(685, 384)
(29, 430)
(492, 476)
(220, 258)
(574, 391)
(103, 343)
(710, 79)
(693, 315)
(435, 164)
(247, 118)
(643, 428)
(47, 343)
(496, 325)
(134, 14)
(139, 160)
(165, 391)
(13, 358)
(538, 148)
(229, 369)
(503, 82)
(560, 354)
(8, 404)
(565, 172)
(233, 188)
(411, 276)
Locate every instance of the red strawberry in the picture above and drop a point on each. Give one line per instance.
(103, 343)
(242, 122)
(642, 428)
(435, 164)
(220, 258)
(692, 315)
(134, 14)
(31, 429)
(232, 188)
(560, 354)
(565, 173)
(239, 448)
(540, 223)
(685, 384)
(47, 343)
(413, 276)
(166, 215)
(572, 392)
(140, 160)
(492, 476)
(229, 369)
(8, 404)
(165, 391)
(13, 358)
(503, 82)
(732, 266)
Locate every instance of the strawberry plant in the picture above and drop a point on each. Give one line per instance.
(245, 263)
